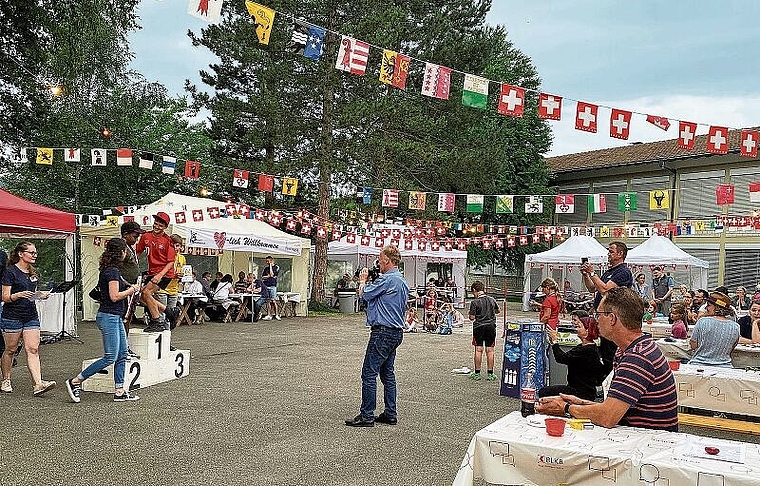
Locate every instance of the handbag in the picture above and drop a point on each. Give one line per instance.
(95, 293)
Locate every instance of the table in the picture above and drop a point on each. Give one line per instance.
(743, 355)
(288, 301)
(510, 451)
(719, 389)
(185, 301)
(659, 328)
(243, 310)
(50, 312)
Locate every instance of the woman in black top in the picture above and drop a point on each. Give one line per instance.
(113, 292)
(584, 363)
(20, 318)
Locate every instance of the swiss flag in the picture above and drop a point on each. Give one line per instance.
(549, 106)
(244, 211)
(435, 246)
(585, 117)
(717, 140)
(379, 242)
(197, 215)
(724, 194)
(291, 224)
(448, 246)
(179, 217)
(461, 245)
(231, 209)
(321, 233)
(523, 240)
(351, 237)
(510, 241)
(749, 143)
(686, 131)
(511, 100)
(499, 243)
(364, 240)
(260, 215)
(536, 238)
(213, 212)
(620, 123)
(192, 169)
(306, 228)
(266, 182)
(336, 234)
(486, 244)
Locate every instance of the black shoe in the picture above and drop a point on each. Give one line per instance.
(154, 326)
(358, 421)
(384, 419)
(172, 348)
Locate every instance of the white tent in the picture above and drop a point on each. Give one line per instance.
(414, 261)
(561, 263)
(240, 239)
(659, 250)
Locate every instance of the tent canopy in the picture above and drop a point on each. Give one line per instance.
(658, 250)
(19, 216)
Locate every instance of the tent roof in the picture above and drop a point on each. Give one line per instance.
(17, 215)
(659, 250)
(571, 252)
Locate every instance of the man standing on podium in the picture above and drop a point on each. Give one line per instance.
(386, 305)
(161, 256)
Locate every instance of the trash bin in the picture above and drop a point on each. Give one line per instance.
(347, 302)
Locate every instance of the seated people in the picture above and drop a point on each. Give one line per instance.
(241, 283)
(677, 315)
(221, 298)
(716, 334)
(698, 305)
(650, 311)
(431, 310)
(258, 289)
(643, 391)
(196, 306)
(410, 321)
(584, 363)
(741, 302)
(749, 325)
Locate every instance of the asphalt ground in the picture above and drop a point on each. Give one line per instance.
(264, 404)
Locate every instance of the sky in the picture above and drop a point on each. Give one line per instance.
(692, 61)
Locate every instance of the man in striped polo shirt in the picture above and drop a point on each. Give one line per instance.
(643, 390)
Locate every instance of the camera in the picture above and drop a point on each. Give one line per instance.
(373, 272)
(584, 260)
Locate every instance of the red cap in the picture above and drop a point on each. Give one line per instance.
(163, 217)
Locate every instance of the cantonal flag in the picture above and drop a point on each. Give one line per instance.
(352, 56)
(597, 203)
(124, 157)
(437, 81)
(474, 203)
(45, 156)
(754, 192)
(394, 68)
(71, 155)
(390, 198)
(417, 200)
(446, 202)
(192, 169)
(505, 204)
(168, 164)
(266, 182)
(724, 194)
(627, 201)
(475, 92)
(263, 18)
(240, 178)
(564, 203)
(146, 160)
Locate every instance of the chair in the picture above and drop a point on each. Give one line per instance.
(231, 311)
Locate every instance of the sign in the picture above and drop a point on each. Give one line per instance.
(221, 240)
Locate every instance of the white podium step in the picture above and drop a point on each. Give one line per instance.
(157, 364)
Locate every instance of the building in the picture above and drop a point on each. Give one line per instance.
(726, 236)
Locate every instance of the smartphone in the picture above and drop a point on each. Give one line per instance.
(584, 260)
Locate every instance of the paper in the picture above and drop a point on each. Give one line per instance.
(728, 451)
(39, 295)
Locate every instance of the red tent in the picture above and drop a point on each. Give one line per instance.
(19, 216)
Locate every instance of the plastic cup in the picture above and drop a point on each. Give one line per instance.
(674, 365)
(555, 427)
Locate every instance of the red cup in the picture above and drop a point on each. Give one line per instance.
(674, 365)
(555, 427)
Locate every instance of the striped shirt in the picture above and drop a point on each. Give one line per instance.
(644, 381)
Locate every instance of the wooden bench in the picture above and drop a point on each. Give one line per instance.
(718, 423)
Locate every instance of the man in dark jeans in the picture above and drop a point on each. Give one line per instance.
(386, 306)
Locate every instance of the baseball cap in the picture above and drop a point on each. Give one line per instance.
(163, 217)
(131, 227)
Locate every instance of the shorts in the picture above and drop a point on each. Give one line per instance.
(13, 325)
(162, 284)
(270, 293)
(484, 336)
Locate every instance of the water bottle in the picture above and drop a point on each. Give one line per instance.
(528, 396)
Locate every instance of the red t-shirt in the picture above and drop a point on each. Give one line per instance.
(430, 303)
(553, 304)
(160, 252)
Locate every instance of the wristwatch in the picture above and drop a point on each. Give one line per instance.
(567, 410)
(592, 275)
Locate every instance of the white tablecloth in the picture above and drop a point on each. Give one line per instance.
(743, 356)
(510, 451)
(50, 311)
(719, 389)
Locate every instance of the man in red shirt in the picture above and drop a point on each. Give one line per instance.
(161, 256)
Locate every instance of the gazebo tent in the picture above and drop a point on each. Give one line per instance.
(561, 263)
(415, 261)
(20, 218)
(244, 240)
(659, 250)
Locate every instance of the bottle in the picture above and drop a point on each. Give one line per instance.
(528, 396)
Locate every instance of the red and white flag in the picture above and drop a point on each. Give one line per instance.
(352, 56)
(549, 106)
(754, 192)
(620, 124)
(659, 121)
(179, 217)
(390, 198)
(437, 81)
(446, 202)
(749, 143)
(213, 212)
(724, 194)
(240, 178)
(71, 155)
(585, 117)
(124, 157)
(351, 238)
(511, 100)
(686, 134)
(564, 203)
(364, 240)
(717, 140)
(208, 10)
(197, 215)
(192, 169)
(266, 182)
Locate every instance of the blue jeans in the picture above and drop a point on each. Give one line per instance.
(114, 348)
(378, 360)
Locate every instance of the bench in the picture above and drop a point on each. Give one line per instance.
(719, 423)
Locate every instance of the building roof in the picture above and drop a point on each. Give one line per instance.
(636, 153)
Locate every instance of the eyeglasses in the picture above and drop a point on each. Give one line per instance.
(606, 313)
(30, 252)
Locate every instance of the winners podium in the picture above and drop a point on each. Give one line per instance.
(157, 363)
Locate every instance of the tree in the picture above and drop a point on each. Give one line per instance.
(277, 112)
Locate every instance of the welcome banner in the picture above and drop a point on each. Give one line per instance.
(222, 240)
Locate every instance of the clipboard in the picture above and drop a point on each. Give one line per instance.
(63, 287)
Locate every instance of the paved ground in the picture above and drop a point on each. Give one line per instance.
(264, 405)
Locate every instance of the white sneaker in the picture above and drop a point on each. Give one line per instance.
(266, 318)
(6, 387)
(278, 318)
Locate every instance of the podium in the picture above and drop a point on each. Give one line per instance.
(157, 364)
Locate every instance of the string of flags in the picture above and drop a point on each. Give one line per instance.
(125, 157)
